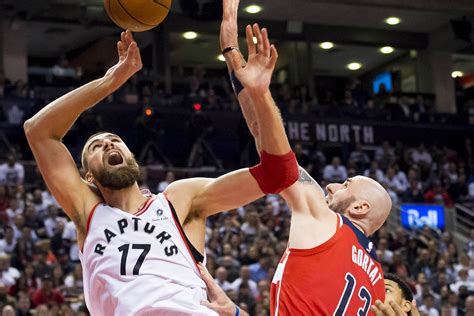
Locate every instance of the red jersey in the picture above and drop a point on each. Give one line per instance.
(342, 276)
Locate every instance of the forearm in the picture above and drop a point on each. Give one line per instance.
(55, 119)
(250, 117)
(271, 132)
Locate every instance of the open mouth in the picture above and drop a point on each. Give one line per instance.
(114, 159)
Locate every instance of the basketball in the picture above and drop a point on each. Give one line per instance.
(137, 15)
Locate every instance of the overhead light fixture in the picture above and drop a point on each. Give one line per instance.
(326, 45)
(253, 9)
(457, 74)
(354, 66)
(190, 35)
(393, 20)
(386, 50)
(221, 57)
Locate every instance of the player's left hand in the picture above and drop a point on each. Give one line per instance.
(256, 75)
(219, 302)
(129, 61)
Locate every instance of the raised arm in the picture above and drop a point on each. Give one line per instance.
(277, 169)
(47, 128)
(306, 190)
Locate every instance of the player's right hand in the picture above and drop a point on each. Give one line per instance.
(129, 63)
(219, 301)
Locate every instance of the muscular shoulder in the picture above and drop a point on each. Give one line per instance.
(182, 194)
(306, 196)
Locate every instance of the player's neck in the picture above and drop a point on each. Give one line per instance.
(128, 200)
(359, 226)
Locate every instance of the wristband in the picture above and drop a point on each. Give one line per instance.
(236, 85)
(228, 49)
(237, 311)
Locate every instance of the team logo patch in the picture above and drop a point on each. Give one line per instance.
(159, 212)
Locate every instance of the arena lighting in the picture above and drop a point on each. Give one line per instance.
(386, 50)
(326, 45)
(148, 111)
(253, 9)
(393, 20)
(221, 57)
(457, 74)
(190, 35)
(354, 66)
(197, 106)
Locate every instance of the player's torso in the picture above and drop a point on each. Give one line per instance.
(132, 262)
(339, 277)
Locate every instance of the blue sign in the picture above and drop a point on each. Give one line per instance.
(416, 215)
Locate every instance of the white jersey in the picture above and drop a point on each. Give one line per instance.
(140, 264)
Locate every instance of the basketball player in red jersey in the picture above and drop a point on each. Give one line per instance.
(330, 266)
(139, 255)
(398, 299)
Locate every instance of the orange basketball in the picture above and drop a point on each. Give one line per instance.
(137, 15)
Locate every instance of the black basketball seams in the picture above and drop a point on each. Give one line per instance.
(159, 3)
(125, 9)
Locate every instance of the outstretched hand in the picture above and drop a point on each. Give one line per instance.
(256, 75)
(129, 63)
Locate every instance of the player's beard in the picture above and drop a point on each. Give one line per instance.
(341, 206)
(119, 178)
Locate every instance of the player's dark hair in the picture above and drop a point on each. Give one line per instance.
(406, 291)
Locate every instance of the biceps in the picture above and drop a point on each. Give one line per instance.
(227, 192)
(60, 174)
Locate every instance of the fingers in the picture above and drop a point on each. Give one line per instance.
(273, 57)
(121, 50)
(213, 290)
(414, 310)
(382, 309)
(265, 43)
(258, 34)
(250, 44)
(398, 311)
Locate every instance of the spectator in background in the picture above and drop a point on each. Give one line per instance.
(438, 195)
(259, 270)
(428, 308)
(421, 156)
(5, 299)
(359, 157)
(244, 277)
(303, 158)
(374, 171)
(168, 180)
(46, 294)
(384, 154)
(8, 242)
(15, 115)
(24, 305)
(462, 281)
(8, 274)
(393, 181)
(221, 279)
(12, 173)
(335, 172)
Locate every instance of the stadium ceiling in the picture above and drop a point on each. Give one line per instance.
(356, 26)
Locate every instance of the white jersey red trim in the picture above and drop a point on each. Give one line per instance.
(140, 264)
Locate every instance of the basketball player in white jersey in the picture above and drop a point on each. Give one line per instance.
(139, 251)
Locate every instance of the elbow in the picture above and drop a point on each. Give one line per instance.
(28, 128)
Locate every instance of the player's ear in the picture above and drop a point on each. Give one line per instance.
(406, 306)
(359, 208)
(89, 177)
